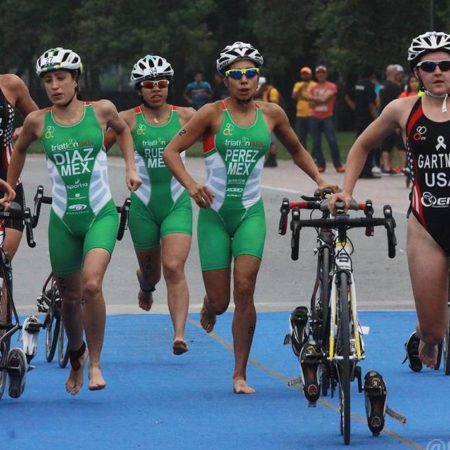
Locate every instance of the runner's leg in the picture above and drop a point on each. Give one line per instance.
(175, 250)
(429, 278)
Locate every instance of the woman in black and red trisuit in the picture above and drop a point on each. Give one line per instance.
(425, 124)
(13, 95)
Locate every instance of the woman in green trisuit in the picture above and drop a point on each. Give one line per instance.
(231, 225)
(83, 219)
(160, 219)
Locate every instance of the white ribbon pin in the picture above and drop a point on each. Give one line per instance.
(441, 143)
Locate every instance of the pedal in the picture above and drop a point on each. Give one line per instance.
(30, 337)
(310, 360)
(41, 304)
(395, 415)
(287, 339)
(298, 327)
(17, 369)
(295, 381)
(375, 393)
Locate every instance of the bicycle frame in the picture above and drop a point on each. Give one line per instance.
(343, 262)
(338, 353)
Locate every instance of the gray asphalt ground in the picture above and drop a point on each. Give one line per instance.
(282, 284)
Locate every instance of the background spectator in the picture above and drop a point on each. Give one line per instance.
(198, 92)
(322, 98)
(390, 91)
(362, 100)
(268, 93)
(303, 109)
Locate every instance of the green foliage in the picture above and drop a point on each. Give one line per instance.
(110, 35)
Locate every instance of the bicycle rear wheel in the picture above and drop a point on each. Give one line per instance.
(5, 321)
(324, 290)
(343, 365)
(446, 346)
(63, 351)
(52, 324)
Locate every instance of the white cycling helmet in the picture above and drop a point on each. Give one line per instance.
(56, 59)
(235, 52)
(427, 42)
(149, 67)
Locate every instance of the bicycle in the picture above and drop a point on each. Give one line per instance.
(14, 362)
(328, 340)
(49, 301)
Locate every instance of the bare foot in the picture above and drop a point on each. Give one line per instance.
(240, 386)
(96, 380)
(179, 347)
(207, 319)
(428, 354)
(75, 380)
(145, 296)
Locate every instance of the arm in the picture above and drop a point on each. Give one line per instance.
(25, 104)
(296, 91)
(385, 124)
(197, 126)
(324, 97)
(350, 102)
(110, 135)
(9, 192)
(31, 130)
(123, 137)
(23, 101)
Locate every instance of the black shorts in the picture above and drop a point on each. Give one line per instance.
(393, 140)
(16, 224)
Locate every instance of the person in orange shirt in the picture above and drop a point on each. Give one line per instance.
(303, 110)
(322, 98)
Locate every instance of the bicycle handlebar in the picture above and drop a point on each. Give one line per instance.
(15, 211)
(341, 222)
(40, 198)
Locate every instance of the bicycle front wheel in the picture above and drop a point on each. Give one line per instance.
(446, 346)
(5, 321)
(343, 351)
(51, 334)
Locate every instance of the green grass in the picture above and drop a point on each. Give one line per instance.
(345, 141)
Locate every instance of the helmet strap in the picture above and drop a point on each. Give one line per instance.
(444, 96)
(71, 99)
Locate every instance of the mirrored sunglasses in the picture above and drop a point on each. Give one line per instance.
(430, 66)
(160, 84)
(237, 74)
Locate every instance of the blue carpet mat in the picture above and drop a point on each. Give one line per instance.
(155, 400)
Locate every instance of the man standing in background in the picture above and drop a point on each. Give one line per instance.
(322, 98)
(391, 90)
(198, 92)
(303, 110)
(363, 101)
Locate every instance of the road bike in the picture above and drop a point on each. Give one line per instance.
(49, 301)
(327, 338)
(14, 362)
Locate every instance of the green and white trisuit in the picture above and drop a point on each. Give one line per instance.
(235, 224)
(83, 214)
(160, 205)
